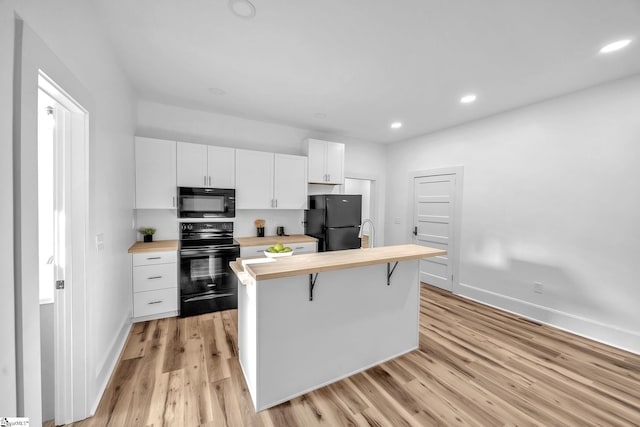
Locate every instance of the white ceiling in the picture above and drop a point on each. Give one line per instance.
(367, 63)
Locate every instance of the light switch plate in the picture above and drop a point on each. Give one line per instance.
(99, 242)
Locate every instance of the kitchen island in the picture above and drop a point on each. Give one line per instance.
(308, 320)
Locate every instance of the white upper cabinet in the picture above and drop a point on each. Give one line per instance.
(192, 165)
(326, 162)
(254, 179)
(155, 173)
(205, 166)
(290, 182)
(221, 163)
(270, 181)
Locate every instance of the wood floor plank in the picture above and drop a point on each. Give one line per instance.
(475, 366)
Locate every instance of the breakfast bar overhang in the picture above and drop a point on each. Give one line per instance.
(306, 321)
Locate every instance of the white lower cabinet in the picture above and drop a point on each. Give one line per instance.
(298, 249)
(155, 285)
(155, 303)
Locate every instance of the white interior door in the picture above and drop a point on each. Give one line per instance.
(433, 213)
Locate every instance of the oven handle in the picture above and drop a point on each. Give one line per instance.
(191, 253)
(206, 297)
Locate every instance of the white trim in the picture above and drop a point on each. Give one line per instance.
(597, 331)
(458, 171)
(155, 316)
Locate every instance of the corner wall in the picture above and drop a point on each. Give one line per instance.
(71, 30)
(550, 195)
(8, 402)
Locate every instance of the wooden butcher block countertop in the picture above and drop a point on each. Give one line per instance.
(337, 260)
(272, 240)
(155, 246)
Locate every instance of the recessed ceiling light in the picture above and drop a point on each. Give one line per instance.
(468, 99)
(242, 8)
(612, 47)
(217, 91)
(320, 116)
(396, 125)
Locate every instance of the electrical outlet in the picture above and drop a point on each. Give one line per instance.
(537, 287)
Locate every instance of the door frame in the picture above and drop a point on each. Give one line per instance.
(375, 213)
(31, 58)
(454, 256)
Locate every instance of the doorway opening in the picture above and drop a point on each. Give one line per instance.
(61, 143)
(366, 188)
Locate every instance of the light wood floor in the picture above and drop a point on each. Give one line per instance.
(476, 366)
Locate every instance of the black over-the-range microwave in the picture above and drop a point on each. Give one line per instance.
(196, 202)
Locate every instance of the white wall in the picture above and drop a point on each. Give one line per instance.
(7, 313)
(362, 159)
(550, 195)
(71, 30)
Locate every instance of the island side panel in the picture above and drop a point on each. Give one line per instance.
(247, 338)
(354, 322)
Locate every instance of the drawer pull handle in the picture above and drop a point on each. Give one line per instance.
(155, 257)
(259, 252)
(300, 247)
(154, 277)
(154, 302)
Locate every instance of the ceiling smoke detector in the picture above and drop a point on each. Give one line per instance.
(242, 8)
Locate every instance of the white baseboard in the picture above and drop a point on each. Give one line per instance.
(108, 364)
(607, 334)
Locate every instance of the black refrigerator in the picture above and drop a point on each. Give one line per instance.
(334, 219)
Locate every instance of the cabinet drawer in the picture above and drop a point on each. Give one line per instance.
(155, 302)
(298, 248)
(253, 251)
(154, 277)
(148, 258)
(303, 248)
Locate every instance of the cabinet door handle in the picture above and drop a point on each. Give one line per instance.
(259, 251)
(154, 277)
(209, 181)
(276, 203)
(154, 302)
(299, 247)
(173, 201)
(155, 257)
(328, 177)
(205, 180)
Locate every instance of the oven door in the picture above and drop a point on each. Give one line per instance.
(206, 203)
(207, 283)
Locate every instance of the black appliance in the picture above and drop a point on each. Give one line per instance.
(207, 283)
(194, 202)
(334, 219)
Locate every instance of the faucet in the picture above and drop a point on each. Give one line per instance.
(373, 231)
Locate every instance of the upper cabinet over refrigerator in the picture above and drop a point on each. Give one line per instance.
(205, 166)
(326, 162)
